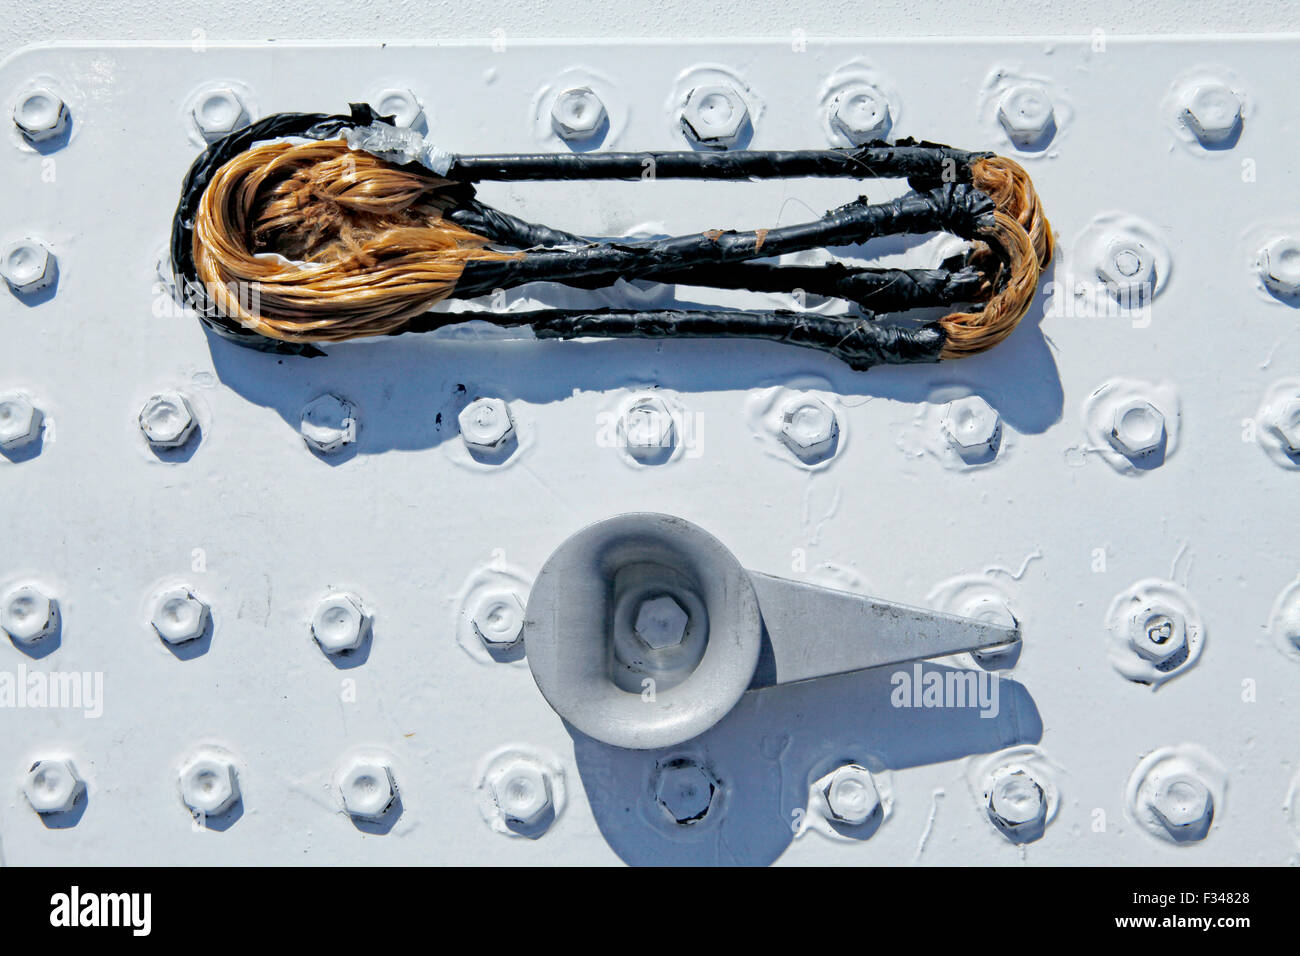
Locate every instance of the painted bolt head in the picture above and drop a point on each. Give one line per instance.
(685, 791)
(851, 795)
(809, 428)
(1285, 424)
(1138, 428)
(499, 619)
(523, 792)
(27, 615)
(27, 266)
(328, 423)
(339, 623)
(861, 115)
(1279, 265)
(486, 424)
(992, 609)
(209, 785)
(1026, 114)
(1016, 802)
(219, 112)
(714, 116)
(179, 616)
(1157, 631)
(1183, 804)
(41, 115)
(368, 789)
(578, 114)
(648, 428)
(167, 420)
(1212, 112)
(1128, 269)
(973, 426)
(661, 622)
(402, 105)
(53, 786)
(20, 421)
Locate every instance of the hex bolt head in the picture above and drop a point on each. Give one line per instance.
(209, 785)
(685, 791)
(486, 424)
(577, 114)
(1016, 802)
(1026, 114)
(1285, 424)
(28, 266)
(1212, 112)
(167, 420)
(861, 114)
(1128, 269)
(339, 623)
(973, 426)
(714, 116)
(1183, 803)
(523, 792)
(219, 112)
(52, 786)
(328, 423)
(402, 105)
(1157, 631)
(661, 622)
(1138, 428)
(499, 619)
(20, 421)
(809, 428)
(851, 795)
(368, 789)
(27, 615)
(1279, 265)
(179, 616)
(41, 115)
(648, 428)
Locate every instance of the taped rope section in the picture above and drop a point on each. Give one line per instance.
(280, 243)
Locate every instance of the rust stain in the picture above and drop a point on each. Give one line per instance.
(760, 236)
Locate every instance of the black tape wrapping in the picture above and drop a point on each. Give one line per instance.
(718, 259)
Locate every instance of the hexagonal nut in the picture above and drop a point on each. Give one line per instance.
(1128, 269)
(578, 114)
(809, 428)
(53, 786)
(861, 114)
(402, 105)
(27, 266)
(714, 116)
(661, 622)
(486, 424)
(41, 115)
(179, 616)
(1157, 631)
(648, 428)
(1182, 803)
(1212, 111)
(851, 795)
(1016, 802)
(329, 423)
(368, 789)
(20, 421)
(219, 112)
(1284, 424)
(1279, 266)
(339, 623)
(522, 791)
(992, 609)
(167, 420)
(1026, 114)
(209, 785)
(27, 615)
(499, 619)
(685, 791)
(973, 426)
(1138, 428)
